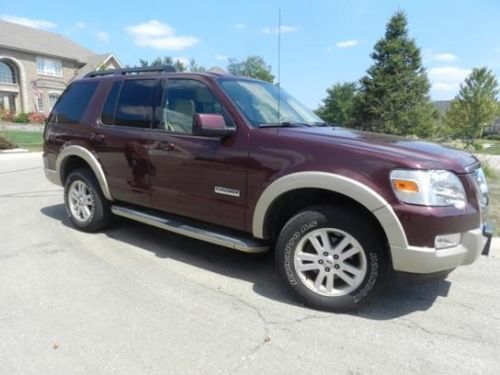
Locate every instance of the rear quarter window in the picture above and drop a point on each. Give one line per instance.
(70, 107)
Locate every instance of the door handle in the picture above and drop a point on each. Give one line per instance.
(165, 146)
(97, 138)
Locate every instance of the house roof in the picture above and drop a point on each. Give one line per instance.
(43, 42)
(93, 62)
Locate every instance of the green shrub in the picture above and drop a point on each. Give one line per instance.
(477, 146)
(22, 118)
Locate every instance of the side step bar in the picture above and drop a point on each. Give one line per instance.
(247, 245)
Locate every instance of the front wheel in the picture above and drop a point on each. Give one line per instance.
(332, 258)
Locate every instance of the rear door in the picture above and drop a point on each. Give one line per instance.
(123, 139)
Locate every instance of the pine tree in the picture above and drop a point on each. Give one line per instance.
(395, 91)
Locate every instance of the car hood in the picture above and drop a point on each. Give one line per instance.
(417, 154)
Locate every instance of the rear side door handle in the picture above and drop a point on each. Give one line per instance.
(97, 138)
(165, 146)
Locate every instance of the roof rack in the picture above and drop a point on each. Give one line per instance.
(124, 71)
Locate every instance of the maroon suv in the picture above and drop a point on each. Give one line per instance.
(239, 163)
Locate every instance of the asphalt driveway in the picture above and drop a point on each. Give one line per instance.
(138, 300)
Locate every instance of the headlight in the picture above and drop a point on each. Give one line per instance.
(428, 188)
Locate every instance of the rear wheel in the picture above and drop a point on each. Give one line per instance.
(86, 206)
(332, 258)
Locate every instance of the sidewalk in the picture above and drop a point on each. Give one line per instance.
(21, 127)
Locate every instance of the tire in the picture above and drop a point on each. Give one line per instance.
(86, 206)
(342, 276)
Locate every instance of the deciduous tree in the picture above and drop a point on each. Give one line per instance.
(475, 107)
(252, 66)
(340, 105)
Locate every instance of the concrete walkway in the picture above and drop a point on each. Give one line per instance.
(22, 127)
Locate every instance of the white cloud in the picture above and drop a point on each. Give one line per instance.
(80, 25)
(275, 30)
(240, 26)
(221, 57)
(444, 57)
(159, 35)
(347, 43)
(30, 22)
(447, 79)
(103, 36)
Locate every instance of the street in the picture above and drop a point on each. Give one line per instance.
(138, 300)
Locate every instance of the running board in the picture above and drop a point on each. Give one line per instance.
(247, 245)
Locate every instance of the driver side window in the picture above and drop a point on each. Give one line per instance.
(182, 99)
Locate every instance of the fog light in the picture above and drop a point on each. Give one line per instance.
(447, 240)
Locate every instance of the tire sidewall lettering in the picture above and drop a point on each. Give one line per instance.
(290, 250)
(373, 272)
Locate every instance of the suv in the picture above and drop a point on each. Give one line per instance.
(239, 163)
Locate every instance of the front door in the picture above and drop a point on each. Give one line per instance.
(200, 177)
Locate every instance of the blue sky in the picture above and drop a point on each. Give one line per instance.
(323, 41)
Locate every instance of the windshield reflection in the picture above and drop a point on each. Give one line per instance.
(264, 103)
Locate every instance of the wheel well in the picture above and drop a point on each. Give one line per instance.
(72, 163)
(290, 203)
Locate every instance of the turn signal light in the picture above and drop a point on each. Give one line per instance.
(405, 186)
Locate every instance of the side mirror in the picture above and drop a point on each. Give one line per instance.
(211, 125)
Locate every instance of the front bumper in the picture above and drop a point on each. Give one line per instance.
(429, 260)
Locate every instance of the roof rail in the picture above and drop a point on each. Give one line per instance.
(124, 71)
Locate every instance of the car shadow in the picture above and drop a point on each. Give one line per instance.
(396, 300)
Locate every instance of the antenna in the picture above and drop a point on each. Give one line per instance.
(279, 64)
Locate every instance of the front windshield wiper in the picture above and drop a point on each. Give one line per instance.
(329, 124)
(284, 124)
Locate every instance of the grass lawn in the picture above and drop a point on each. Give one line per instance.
(490, 147)
(29, 140)
(494, 214)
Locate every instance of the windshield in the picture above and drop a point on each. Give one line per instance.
(259, 102)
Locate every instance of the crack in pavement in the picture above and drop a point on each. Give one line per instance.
(21, 170)
(470, 308)
(414, 325)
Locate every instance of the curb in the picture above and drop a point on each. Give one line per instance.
(14, 151)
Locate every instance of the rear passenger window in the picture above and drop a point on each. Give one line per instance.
(134, 106)
(70, 107)
(108, 111)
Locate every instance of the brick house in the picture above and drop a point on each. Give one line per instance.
(36, 66)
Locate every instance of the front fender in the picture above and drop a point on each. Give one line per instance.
(349, 187)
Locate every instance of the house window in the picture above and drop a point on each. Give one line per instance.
(39, 104)
(53, 99)
(49, 67)
(7, 73)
